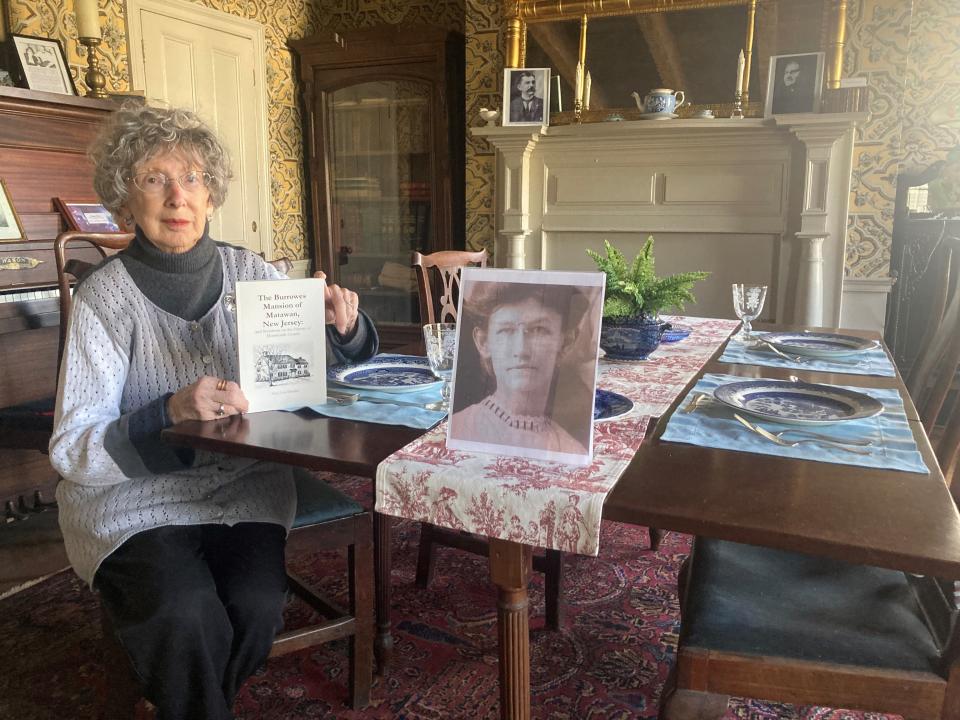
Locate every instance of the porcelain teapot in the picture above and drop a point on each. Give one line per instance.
(659, 100)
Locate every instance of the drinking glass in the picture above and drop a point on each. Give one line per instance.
(441, 340)
(747, 304)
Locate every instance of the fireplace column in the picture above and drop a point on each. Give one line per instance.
(514, 148)
(828, 140)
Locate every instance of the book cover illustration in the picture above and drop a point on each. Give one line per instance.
(282, 343)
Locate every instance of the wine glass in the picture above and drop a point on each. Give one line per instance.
(747, 304)
(441, 340)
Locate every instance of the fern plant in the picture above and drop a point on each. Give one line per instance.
(634, 290)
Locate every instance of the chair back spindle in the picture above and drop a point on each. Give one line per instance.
(438, 303)
(105, 243)
(932, 377)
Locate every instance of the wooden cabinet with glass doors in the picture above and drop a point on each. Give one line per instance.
(383, 112)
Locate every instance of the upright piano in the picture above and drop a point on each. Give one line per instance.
(44, 138)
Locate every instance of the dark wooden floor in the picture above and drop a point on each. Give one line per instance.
(29, 550)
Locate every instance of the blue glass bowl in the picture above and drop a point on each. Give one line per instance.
(632, 338)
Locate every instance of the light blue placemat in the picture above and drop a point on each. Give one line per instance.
(870, 362)
(415, 417)
(713, 425)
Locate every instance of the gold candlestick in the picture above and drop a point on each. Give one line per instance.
(578, 110)
(95, 79)
(737, 106)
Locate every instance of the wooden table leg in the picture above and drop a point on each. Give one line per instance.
(510, 568)
(383, 644)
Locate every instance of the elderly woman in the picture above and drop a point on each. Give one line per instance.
(522, 332)
(186, 549)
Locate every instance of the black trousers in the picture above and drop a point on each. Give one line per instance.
(196, 607)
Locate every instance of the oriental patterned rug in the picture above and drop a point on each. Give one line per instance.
(608, 663)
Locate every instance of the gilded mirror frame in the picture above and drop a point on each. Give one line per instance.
(519, 13)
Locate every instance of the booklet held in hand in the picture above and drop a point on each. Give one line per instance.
(281, 336)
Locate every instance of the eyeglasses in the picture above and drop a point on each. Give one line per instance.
(155, 183)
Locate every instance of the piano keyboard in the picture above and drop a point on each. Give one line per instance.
(29, 295)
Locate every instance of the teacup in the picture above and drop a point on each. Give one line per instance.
(663, 100)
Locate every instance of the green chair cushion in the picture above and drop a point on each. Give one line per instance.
(318, 502)
(746, 599)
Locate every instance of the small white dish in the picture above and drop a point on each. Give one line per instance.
(658, 116)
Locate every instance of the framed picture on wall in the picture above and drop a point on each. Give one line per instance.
(86, 216)
(794, 84)
(526, 96)
(41, 64)
(10, 228)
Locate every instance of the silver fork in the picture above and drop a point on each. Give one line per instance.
(820, 439)
(699, 399)
(773, 348)
(351, 399)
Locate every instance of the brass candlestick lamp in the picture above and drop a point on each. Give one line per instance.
(88, 30)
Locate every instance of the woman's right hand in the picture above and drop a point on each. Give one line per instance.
(208, 398)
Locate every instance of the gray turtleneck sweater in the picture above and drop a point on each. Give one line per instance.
(145, 324)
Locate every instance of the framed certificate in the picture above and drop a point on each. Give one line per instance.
(86, 216)
(10, 228)
(41, 64)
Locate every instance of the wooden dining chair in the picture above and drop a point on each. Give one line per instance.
(438, 300)
(782, 626)
(932, 378)
(775, 625)
(326, 519)
(438, 303)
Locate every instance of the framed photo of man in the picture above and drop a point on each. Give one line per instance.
(526, 96)
(525, 365)
(794, 84)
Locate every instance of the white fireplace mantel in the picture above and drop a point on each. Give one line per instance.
(747, 199)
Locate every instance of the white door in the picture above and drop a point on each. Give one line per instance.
(187, 56)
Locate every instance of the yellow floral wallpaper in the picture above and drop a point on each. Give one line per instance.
(909, 51)
(347, 14)
(282, 20)
(484, 70)
(931, 101)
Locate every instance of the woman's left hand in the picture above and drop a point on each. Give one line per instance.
(341, 306)
(208, 398)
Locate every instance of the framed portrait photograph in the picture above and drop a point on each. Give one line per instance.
(525, 365)
(10, 228)
(41, 64)
(794, 84)
(526, 96)
(87, 216)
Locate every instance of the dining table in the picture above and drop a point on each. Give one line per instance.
(864, 515)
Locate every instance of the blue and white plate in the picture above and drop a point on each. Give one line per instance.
(797, 403)
(676, 333)
(386, 373)
(610, 405)
(818, 345)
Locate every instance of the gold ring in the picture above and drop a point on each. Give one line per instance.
(220, 410)
(222, 385)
